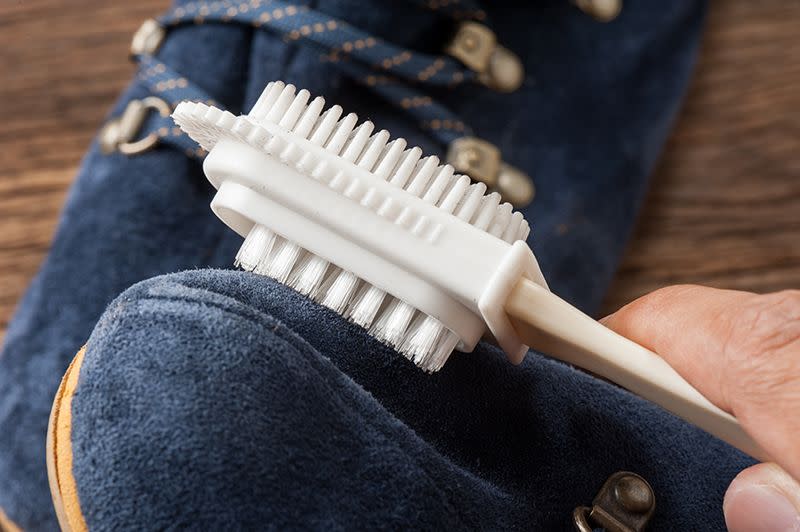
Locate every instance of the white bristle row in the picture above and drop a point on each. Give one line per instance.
(421, 338)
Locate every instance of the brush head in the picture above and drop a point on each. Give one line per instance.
(283, 113)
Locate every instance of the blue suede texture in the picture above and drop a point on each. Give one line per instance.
(529, 442)
(221, 400)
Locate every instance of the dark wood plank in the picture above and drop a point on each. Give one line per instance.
(62, 70)
(724, 208)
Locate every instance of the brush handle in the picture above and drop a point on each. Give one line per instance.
(551, 325)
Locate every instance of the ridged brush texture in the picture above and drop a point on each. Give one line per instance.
(420, 337)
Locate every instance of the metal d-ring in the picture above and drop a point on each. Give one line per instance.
(119, 133)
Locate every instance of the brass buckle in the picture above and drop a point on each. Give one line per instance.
(481, 161)
(476, 46)
(147, 38)
(625, 503)
(119, 133)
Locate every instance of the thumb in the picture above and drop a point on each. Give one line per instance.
(763, 498)
(740, 350)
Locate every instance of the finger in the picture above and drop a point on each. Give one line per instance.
(763, 497)
(688, 326)
(741, 350)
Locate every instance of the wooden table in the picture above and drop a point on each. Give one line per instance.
(724, 208)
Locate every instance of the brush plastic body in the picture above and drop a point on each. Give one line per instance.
(400, 245)
(366, 226)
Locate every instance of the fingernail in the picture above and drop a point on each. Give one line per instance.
(757, 508)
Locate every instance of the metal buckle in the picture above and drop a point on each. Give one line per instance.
(625, 503)
(481, 161)
(476, 46)
(119, 133)
(601, 10)
(147, 38)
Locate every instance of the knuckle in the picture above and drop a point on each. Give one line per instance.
(656, 301)
(766, 328)
(762, 353)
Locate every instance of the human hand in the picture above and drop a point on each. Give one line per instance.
(742, 351)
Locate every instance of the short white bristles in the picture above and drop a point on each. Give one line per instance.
(420, 337)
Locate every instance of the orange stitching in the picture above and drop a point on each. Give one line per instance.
(454, 125)
(348, 46)
(432, 69)
(417, 101)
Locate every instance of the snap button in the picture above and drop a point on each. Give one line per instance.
(602, 10)
(481, 161)
(625, 503)
(147, 38)
(119, 133)
(476, 46)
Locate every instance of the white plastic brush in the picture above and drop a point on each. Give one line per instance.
(400, 245)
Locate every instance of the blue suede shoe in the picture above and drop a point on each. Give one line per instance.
(222, 400)
(594, 108)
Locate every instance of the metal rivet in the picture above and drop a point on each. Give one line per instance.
(469, 157)
(469, 42)
(476, 158)
(472, 44)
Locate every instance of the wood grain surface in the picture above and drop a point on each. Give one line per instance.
(724, 208)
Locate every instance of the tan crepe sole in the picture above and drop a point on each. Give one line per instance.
(59, 452)
(6, 524)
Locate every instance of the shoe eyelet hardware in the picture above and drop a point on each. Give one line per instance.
(625, 503)
(476, 46)
(601, 10)
(148, 38)
(481, 160)
(119, 133)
